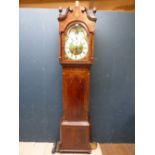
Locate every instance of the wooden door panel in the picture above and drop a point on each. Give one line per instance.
(75, 93)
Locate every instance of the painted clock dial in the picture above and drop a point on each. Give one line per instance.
(76, 42)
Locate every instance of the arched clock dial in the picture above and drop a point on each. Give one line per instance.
(76, 43)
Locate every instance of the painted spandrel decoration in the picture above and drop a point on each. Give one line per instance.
(76, 29)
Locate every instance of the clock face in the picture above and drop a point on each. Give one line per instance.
(76, 43)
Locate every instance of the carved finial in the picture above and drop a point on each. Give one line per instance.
(70, 9)
(76, 3)
(83, 9)
(94, 10)
(60, 9)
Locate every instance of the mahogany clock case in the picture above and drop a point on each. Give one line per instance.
(111, 81)
(75, 125)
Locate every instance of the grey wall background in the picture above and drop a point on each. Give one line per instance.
(112, 77)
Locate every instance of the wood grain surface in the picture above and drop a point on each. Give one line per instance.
(115, 5)
(118, 149)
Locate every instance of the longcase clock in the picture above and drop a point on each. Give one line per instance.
(76, 28)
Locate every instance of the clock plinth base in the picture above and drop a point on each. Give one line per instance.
(75, 137)
(74, 151)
